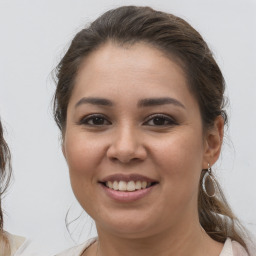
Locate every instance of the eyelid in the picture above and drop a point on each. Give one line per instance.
(84, 120)
(161, 115)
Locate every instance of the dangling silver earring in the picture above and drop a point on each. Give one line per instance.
(209, 183)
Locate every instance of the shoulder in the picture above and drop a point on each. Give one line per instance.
(233, 248)
(15, 242)
(77, 250)
(20, 246)
(238, 250)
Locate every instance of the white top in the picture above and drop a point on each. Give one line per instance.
(231, 248)
(20, 246)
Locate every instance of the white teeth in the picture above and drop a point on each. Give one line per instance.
(122, 185)
(138, 185)
(143, 184)
(115, 185)
(109, 184)
(128, 186)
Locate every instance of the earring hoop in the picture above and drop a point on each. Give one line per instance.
(209, 183)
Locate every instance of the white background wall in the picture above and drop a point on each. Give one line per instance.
(34, 35)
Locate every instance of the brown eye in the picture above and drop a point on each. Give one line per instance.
(95, 120)
(160, 120)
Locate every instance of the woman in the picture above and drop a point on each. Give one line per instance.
(9, 243)
(4, 180)
(139, 102)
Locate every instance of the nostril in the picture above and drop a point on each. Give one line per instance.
(126, 150)
(125, 160)
(114, 159)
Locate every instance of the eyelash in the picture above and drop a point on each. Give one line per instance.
(99, 117)
(87, 119)
(170, 121)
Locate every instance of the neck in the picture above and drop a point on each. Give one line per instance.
(189, 239)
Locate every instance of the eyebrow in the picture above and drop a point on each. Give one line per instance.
(142, 103)
(94, 101)
(159, 101)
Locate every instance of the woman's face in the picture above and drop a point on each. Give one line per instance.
(132, 122)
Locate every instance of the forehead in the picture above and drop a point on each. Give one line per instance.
(139, 57)
(138, 70)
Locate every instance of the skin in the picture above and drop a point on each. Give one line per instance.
(128, 139)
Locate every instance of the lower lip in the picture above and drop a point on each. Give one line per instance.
(124, 196)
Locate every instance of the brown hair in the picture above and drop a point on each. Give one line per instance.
(176, 38)
(5, 172)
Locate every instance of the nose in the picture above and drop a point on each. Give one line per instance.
(126, 146)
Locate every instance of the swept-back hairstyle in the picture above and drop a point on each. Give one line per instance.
(5, 175)
(180, 42)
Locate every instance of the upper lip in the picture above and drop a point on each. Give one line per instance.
(127, 177)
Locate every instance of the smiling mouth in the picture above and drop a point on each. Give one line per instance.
(128, 186)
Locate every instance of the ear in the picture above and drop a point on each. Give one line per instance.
(213, 142)
(63, 147)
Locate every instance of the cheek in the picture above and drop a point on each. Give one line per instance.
(83, 156)
(180, 161)
(82, 153)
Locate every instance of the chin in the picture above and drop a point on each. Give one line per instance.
(127, 225)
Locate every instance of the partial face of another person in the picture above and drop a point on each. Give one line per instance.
(133, 123)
